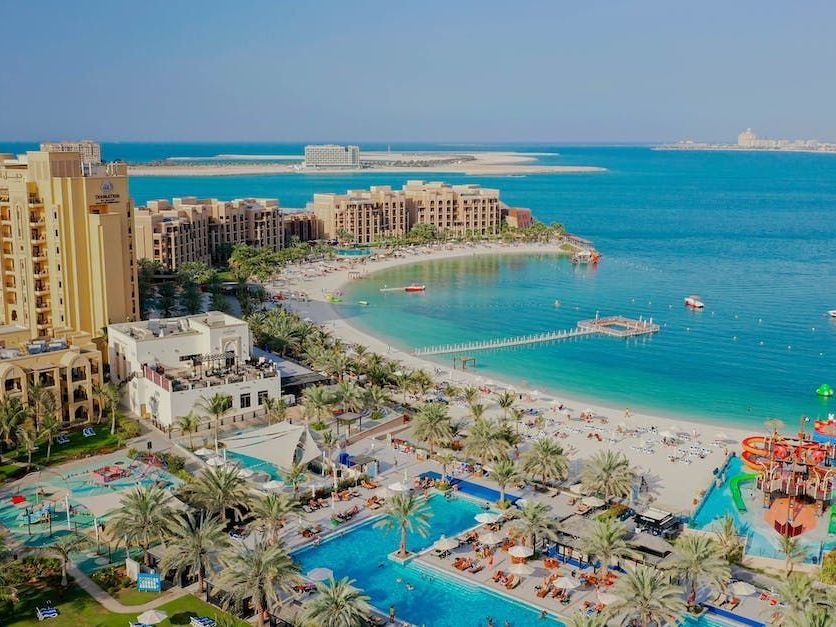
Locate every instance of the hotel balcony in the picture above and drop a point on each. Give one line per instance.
(34, 199)
(6, 232)
(41, 305)
(38, 253)
(41, 288)
(37, 218)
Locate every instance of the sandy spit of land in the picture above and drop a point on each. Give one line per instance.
(675, 484)
(468, 163)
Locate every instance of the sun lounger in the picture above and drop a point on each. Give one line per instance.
(475, 568)
(46, 612)
(498, 576)
(543, 592)
(63, 439)
(512, 582)
(202, 621)
(89, 432)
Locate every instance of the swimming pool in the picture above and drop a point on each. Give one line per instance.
(435, 598)
(353, 252)
(255, 464)
(475, 490)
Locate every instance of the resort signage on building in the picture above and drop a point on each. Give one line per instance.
(107, 195)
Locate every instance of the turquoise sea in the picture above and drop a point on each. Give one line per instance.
(754, 234)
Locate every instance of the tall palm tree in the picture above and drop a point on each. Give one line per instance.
(62, 550)
(339, 604)
(606, 541)
(27, 439)
(12, 415)
(107, 400)
(470, 394)
(485, 441)
(792, 551)
(477, 411)
(505, 401)
(533, 521)
(260, 573)
(728, 538)
(445, 459)
(143, 515)
(218, 490)
(375, 399)
(295, 476)
(328, 443)
(316, 402)
(275, 409)
(699, 558)
(646, 597)
(189, 424)
(504, 473)
(609, 474)
(432, 425)
(271, 512)
(8, 591)
(215, 407)
(546, 460)
(406, 512)
(797, 592)
(50, 427)
(100, 395)
(41, 402)
(192, 544)
(347, 396)
(421, 381)
(581, 619)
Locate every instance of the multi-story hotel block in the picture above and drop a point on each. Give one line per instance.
(364, 216)
(66, 245)
(171, 365)
(325, 156)
(300, 226)
(368, 216)
(189, 229)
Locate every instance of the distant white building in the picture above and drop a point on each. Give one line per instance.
(324, 156)
(171, 364)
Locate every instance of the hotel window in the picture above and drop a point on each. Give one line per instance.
(246, 400)
(262, 396)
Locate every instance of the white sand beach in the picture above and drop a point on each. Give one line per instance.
(468, 163)
(676, 472)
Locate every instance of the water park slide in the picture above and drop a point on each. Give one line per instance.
(754, 450)
(734, 486)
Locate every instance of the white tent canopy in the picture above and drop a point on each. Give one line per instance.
(282, 444)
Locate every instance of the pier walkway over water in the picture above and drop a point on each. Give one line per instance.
(614, 326)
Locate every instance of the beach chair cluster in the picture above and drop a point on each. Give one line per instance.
(375, 502)
(202, 621)
(345, 516)
(88, 432)
(311, 532)
(44, 613)
(314, 504)
(509, 581)
(467, 564)
(305, 588)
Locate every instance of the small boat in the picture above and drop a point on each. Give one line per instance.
(694, 302)
(557, 303)
(415, 288)
(586, 257)
(365, 303)
(832, 313)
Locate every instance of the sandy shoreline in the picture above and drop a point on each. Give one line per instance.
(678, 483)
(468, 163)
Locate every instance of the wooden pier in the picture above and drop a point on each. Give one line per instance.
(613, 326)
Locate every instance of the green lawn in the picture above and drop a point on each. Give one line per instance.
(78, 446)
(78, 609)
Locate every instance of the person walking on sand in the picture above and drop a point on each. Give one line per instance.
(391, 613)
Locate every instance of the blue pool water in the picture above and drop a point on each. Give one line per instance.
(255, 464)
(435, 599)
(353, 252)
(475, 490)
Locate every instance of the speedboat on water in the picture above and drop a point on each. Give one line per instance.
(832, 313)
(414, 288)
(694, 302)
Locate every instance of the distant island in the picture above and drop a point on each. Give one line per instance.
(748, 140)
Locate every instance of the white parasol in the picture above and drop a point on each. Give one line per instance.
(567, 583)
(445, 544)
(272, 485)
(152, 617)
(320, 574)
(521, 569)
(204, 452)
(490, 538)
(216, 461)
(397, 487)
(742, 588)
(487, 518)
(520, 551)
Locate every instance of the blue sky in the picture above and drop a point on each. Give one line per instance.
(480, 71)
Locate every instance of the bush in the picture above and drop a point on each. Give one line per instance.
(127, 429)
(132, 453)
(828, 568)
(174, 462)
(318, 425)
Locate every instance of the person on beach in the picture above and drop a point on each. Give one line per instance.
(391, 613)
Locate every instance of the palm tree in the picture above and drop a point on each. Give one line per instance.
(29, 441)
(792, 551)
(797, 592)
(260, 573)
(328, 444)
(41, 402)
(375, 399)
(8, 592)
(406, 512)
(143, 515)
(316, 402)
(504, 473)
(432, 425)
(546, 460)
(647, 597)
(533, 521)
(606, 541)
(62, 549)
(445, 459)
(50, 427)
(582, 619)
(100, 395)
(728, 538)
(339, 604)
(275, 409)
(697, 558)
(421, 381)
(107, 400)
(347, 396)
(189, 424)
(477, 411)
(506, 403)
(485, 442)
(470, 394)
(218, 490)
(271, 511)
(609, 474)
(192, 544)
(296, 476)
(12, 415)
(216, 407)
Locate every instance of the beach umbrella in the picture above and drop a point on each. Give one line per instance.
(204, 452)
(487, 518)
(521, 569)
(567, 583)
(521, 503)
(320, 574)
(216, 461)
(608, 598)
(520, 551)
(742, 588)
(445, 544)
(272, 485)
(490, 538)
(721, 435)
(152, 617)
(397, 487)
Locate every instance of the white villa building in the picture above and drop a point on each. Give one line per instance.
(171, 364)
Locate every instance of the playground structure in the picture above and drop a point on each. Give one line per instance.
(107, 474)
(825, 430)
(794, 476)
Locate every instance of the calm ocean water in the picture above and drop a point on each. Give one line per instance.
(753, 233)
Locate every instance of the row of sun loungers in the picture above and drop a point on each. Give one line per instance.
(46, 612)
(510, 582)
(345, 516)
(202, 621)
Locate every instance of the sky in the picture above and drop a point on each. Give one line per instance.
(422, 70)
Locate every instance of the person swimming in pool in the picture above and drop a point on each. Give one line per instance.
(409, 586)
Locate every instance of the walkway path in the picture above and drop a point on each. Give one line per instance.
(112, 605)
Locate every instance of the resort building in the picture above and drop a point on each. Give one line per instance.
(454, 209)
(362, 216)
(170, 365)
(90, 151)
(190, 229)
(300, 226)
(67, 254)
(66, 371)
(517, 217)
(325, 156)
